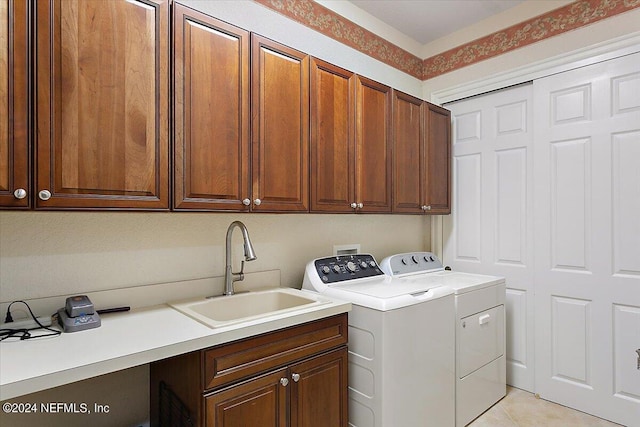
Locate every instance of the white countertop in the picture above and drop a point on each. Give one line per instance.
(125, 340)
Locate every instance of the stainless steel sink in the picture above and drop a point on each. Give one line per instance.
(224, 310)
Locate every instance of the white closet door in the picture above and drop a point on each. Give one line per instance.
(490, 228)
(587, 238)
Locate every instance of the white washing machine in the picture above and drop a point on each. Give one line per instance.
(401, 343)
(480, 329)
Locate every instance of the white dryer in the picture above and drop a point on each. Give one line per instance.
(401, 343)
(480, 328)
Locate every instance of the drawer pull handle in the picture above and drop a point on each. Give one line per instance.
(295, 377)
(284, 381)
(484, 319)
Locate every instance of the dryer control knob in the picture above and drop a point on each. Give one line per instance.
(326, 270)
(415, 259)
(336, 268)
(372, 264)
(351, 266)
(363, 264)
(404, 261)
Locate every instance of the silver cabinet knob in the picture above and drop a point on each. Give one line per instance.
(257, 202)
(44, 194)
(246, 202)
(354, 205)
(427, 208)
(360, 206)
(295, 377)
(20, 193)
(284, 381)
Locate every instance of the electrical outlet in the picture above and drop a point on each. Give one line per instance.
(351, 249)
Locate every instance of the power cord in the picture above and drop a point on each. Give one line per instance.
(25, 333)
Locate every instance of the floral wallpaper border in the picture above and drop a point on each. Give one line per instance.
(331, 24)
(555, 22)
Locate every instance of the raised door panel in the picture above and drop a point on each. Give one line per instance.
(102, 104)
(14, 104)
(211, 106)
(438, 124)
(258, 402)
(319, 391)
(373, 146)
(280, 123)
(408, 154)
(332, 138)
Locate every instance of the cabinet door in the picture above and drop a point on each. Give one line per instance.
(258, 402)
(280, 120)
(211, 105)
(332, 138)
(14, 104)
(438, 122)
(373, 146)
(319, 392)
(102, 104)
(408, 154)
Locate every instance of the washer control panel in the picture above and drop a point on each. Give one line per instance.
(412, 262)
(347, 267)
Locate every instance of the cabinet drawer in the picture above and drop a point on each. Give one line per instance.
(232, 362)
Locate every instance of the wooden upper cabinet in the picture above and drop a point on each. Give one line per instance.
(409, 167)
(280, 125)
(332, 138)
(373, 146)
(211, 113)
(14, 104)
(102, 104)
(438, 123)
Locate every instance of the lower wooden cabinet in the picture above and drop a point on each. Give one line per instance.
(260, 401)
(291, 377)
(319, 391)
(307, 394)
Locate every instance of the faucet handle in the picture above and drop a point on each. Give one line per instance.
(239, 276)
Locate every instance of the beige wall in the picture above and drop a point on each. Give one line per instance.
(59, 253)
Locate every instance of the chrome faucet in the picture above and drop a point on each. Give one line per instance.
(249, 255)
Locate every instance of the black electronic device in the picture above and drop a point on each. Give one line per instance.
(78, 314)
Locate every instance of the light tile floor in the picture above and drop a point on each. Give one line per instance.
(521, 409)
